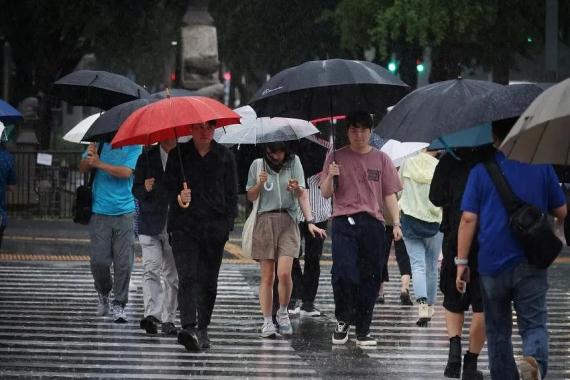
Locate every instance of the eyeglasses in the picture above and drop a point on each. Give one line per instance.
(206, 127)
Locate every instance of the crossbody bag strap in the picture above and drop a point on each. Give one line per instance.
(258, 171)
(509, 198)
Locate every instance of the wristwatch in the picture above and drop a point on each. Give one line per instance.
(459, 261)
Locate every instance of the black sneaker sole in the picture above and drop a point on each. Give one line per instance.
(188, 340)
(423, 322)
(120, 320)
(148, 326)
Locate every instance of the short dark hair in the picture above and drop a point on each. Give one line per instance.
(278, 146)
(502, 127)
(359, 118)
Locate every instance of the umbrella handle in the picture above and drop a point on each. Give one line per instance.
(180, 203)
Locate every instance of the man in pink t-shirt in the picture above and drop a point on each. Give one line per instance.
(367, 184)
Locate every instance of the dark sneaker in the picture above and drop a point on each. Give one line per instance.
(293, 307)
(528, 369)
(103, 305)
(365, 340)
(309, 309)
(340, 334)
(149, 324)
(203, 338)
(119, 315)
(187, 337)
(405, 298)
(168, 328)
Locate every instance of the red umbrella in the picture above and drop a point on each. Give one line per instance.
(172, 117)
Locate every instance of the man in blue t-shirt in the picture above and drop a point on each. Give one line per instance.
(506, 276)
(111, 227)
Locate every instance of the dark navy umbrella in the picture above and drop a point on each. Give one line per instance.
(324, 88)
(105, 127)
(100, 89)
(430, 111)
(8, 113)
(503, 103)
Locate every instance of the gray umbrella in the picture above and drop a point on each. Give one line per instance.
(100, 89)
(105, 127)
(429, 111)
(503, 103)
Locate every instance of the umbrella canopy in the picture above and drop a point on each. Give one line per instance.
(502, 103)
(254, 130)
(105, 127)
(100, 89)
(2, 128)
(317, 89)
(400, 151)
(75, 134)
(8, 113)
(542, 133)
(467, 138)
(171, 118)
(172, 92)
(430, 111)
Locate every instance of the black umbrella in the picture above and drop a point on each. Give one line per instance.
(430, 111)
(330, 87)
(503, 103)
(97, 89)
(105, 127)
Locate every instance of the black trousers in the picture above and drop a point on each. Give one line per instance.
(306, 284)
(198, 255)
(402, 257)
(2, 228)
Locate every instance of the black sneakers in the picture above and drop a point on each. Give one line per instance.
(365, 340)
(309, 309)
(405, 298)
(187, 337)
(203, 338)
(168, 328)
(149, 324)
(340, 334)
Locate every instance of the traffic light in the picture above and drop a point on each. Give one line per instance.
(392, 66)
(420, 66)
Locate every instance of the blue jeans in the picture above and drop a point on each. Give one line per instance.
(525, 286)
(423, 259)
(358, 261)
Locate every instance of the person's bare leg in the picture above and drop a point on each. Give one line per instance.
(454, 323)
(284, 267)
(405, 280)
(266, 286)
(477, 333)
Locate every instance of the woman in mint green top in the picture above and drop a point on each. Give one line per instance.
(279, 180)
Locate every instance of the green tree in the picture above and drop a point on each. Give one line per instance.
(258, 37)
(463, 32)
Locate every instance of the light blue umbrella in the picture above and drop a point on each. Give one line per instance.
(9, 114)
(466, 138)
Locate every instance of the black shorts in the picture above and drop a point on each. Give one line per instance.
(452, 299)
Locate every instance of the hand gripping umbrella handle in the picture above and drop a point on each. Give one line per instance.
(180, 203)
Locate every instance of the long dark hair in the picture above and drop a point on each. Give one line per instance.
(278, 146)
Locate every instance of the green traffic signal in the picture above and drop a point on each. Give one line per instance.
(392, 67)
(420, 67)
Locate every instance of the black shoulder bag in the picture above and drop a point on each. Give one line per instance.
(84, 198)
(529, 224)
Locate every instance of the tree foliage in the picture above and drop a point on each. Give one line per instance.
(487, 32)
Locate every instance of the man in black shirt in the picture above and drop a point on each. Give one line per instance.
(198, 232)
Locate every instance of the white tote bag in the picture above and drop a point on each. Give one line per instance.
(247, 233)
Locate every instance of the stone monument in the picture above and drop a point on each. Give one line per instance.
(199, 47)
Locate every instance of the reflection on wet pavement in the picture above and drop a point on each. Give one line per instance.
(48, 329)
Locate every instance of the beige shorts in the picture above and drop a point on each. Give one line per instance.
(275, 234)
